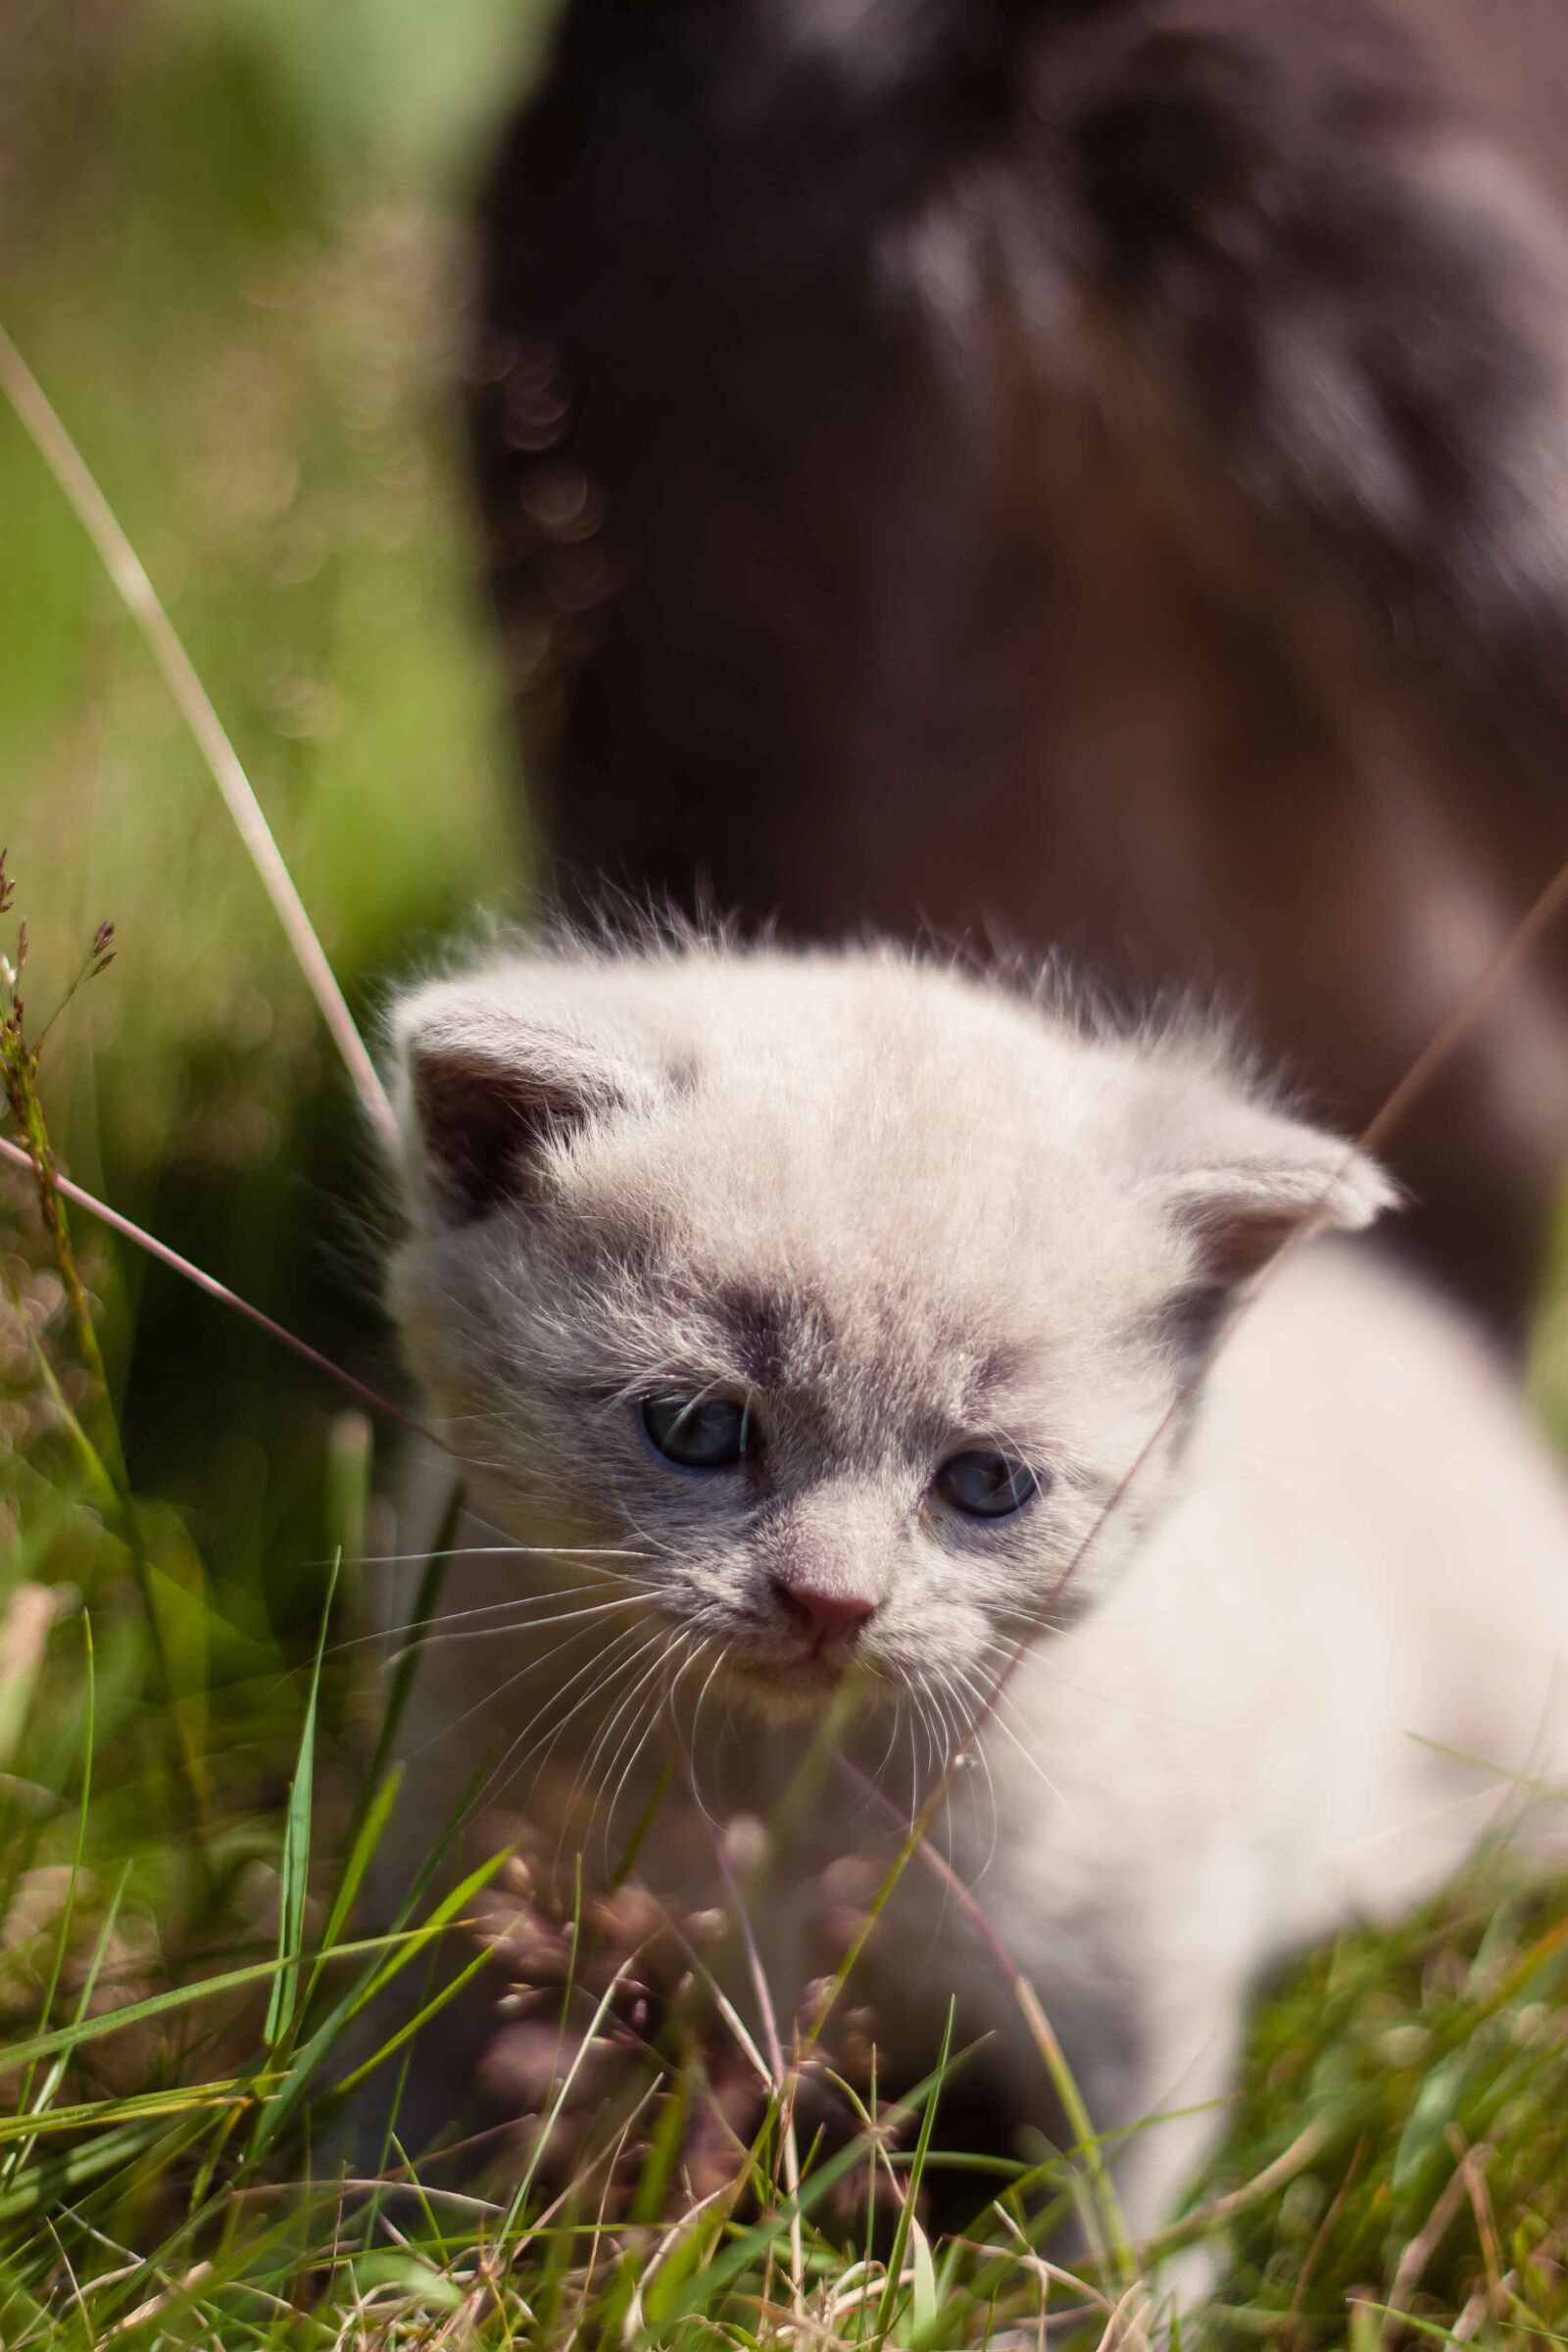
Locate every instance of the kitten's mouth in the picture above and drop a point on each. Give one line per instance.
(809, 1674)
(787, 1680)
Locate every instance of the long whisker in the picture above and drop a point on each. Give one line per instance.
(892, 1742)
(909, 1716)
(973, 1692)
(662, 1701)
(656, 1551)
(499, 1693)
(952, 1741)
(518, 1603)
(991, 1712)
(936, 1749)
(521, 1749)
(692, 1765)
(498, 1633)
(624, 1666)
(1049, 1667)
(607, 1731)
(490, 1552)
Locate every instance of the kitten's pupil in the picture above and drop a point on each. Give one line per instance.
(698, 1433)
(986, 1486)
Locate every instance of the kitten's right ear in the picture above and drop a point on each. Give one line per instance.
(484, 1092)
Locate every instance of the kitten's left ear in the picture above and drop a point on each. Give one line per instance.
(485, 1090)
(1239, 1178)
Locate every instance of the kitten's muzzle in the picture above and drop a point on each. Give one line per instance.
(832, 1621)
(802, 1660)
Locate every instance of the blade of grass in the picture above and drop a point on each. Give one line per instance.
(431, 1581)
(755, 2240)
(219, 1291)
(525, 2186)
(90, 2113)
(362, 1853)
(182, 1996)
(1105, 2206)
(120, 559)
(405, 1946)
(905, 2222)
(78, 1851)
(57, 2073)
(414, 2026)
(51, 2186)
(296, 1863)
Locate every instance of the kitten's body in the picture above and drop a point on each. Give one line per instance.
(916, 1212)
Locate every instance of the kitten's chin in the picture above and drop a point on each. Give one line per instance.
(787, 1690)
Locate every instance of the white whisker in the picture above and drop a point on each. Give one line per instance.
(998, 1698)
(586, 1776)
(497, 1633)
(491, 1551)
(697, 1717)
(910, 1717)
(480, 1705)
(611, 1666)
(514, 1607)
(663, 1700)
(976, 1741)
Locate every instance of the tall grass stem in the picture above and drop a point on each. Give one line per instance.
(43, 427)
(219, 1291)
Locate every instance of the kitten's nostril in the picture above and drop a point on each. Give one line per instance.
(824, 1614)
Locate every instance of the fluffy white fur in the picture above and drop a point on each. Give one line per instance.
(1289, 1568)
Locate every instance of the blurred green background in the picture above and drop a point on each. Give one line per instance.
(231, 249)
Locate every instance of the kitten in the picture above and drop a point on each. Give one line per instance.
(809, 1313)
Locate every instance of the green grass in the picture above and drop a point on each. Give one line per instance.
(225, 236)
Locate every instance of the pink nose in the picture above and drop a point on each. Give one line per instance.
(826, 1616)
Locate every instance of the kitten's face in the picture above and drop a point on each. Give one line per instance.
(849, 1291)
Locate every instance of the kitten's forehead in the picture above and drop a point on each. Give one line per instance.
(856, 1104)
(876, 1173)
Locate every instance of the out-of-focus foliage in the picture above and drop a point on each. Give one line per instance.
(231, 250)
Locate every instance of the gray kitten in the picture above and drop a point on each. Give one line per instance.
(815, 1311)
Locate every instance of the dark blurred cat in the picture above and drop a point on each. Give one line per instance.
(1096, 467)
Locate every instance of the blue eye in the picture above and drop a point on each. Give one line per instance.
(986, 1486)
(698, 1433)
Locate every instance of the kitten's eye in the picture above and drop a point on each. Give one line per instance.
(986, 1486)
(698, 1433)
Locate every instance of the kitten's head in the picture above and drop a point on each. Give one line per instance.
(851, 1287)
